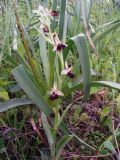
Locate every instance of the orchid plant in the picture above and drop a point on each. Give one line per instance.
(45, 73)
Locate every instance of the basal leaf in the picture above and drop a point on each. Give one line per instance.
(82, 48)
(107, 84)
(108, 145)
(61, 144)
(14, 103)
(48, 134)
(63, 20)
(26, 83)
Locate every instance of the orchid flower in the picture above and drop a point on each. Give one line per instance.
(68, 71)
(45, 12)
(44, 28)
(58, 45)
(55, 93)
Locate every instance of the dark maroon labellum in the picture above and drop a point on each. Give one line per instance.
(71, 75)
(54, 13)
(60, 46)
(45, 29)
(54, 96)
(52, 115)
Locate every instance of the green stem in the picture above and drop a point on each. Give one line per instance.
(60, 55)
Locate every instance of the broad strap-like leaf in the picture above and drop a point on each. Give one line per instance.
(110, 84)
(26, 83)
(63, 21)
(61, 144)
(82, 48)
(79, 85)
(48, 133)
(85, 13)
(77, 9)
(44, 58)
(14, 103)
(108, 145)
(85, 10)
(44, 3)
(53, 21)
(14, 88)
(80, 42)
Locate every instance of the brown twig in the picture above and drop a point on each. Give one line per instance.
(37, 130)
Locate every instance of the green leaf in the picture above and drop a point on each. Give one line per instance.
(61, 144)
(26, 83)
(106, 25)
(104, 152)
(107, 84)
(14, 88)
(48, 134)
(77, 9)
(85, 10)
(108, 145)
(82, 48)
(67, 49)
(106, 32)
(118, 103)
(44, 58)
(63, 21)
(3, 83)
(43, 2)
(14, 103)
(104, 112)
(54, 4)
(65, 129)
(44, 154)
(12, 61)
(79, 85)
(53, 21)
(62, 117)
(3, 94)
